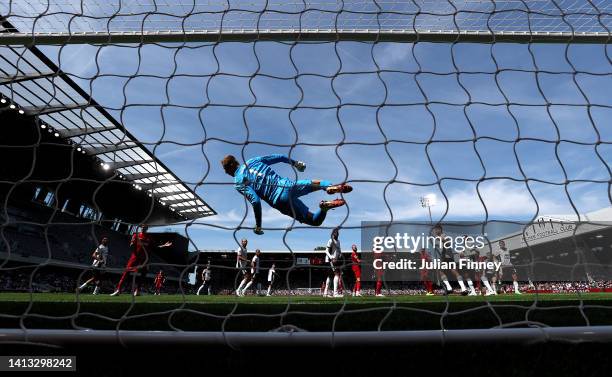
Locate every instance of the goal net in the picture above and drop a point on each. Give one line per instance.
(468, 119)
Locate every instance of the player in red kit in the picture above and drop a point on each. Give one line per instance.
(141, 246)
(356, 266)
(425, 273)
(160, 279)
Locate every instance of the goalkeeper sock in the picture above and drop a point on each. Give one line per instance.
(323, 185)
(461, 284)
(516, 287)
(326, 286)
(83, 286)
(269, 288)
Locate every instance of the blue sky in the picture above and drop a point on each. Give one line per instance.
(166, 98)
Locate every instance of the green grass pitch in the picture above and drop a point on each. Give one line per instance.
(219, 299)
(312, 313)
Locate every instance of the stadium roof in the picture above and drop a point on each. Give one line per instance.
(37, 86)
(556, 227)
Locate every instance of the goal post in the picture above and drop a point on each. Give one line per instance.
(300, 35)
(480, 21)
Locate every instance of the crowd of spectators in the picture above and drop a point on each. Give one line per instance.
(417, 289)
(66, 280)
(22, 280)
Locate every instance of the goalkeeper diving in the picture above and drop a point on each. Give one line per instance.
(257, 181)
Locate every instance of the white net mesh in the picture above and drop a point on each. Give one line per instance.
(500, 132)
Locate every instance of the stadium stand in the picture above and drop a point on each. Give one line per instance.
(60, 196)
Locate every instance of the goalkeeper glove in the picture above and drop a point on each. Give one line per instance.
(300, 166)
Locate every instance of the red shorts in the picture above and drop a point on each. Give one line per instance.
(357, 272)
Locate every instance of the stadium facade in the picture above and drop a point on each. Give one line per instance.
(563, 247)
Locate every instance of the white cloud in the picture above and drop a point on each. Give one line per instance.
(392, 54)
(503, 200)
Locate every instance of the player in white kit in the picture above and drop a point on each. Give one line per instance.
(206, 280)
(469, 275)
(99, 256)
(503, 255)
(448, 255)
(241, 264)
(254, 273)
(271, 277)
(333, 256)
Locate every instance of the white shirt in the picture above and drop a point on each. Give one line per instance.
(271, 273)
(207, 274)
(504, 257)
(102, 251)
(332, 251)
(255, 265)
(241, 252)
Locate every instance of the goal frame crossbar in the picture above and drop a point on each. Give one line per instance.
(312, 339)
(300, 35)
